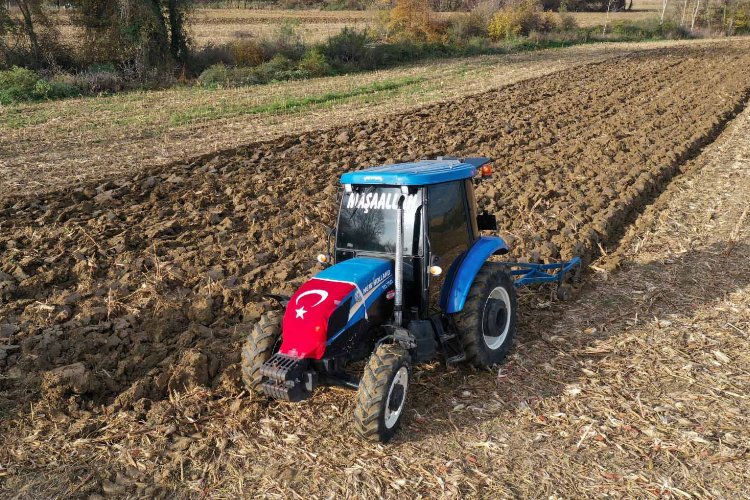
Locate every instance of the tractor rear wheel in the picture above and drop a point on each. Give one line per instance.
(487, 323)
(262, 342)
(381, 397)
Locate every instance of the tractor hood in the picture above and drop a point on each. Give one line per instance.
(363, 272)
(334, 300)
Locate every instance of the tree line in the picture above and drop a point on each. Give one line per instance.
(145, 34)
(107, 45)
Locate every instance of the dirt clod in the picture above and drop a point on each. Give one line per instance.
(67, 379)
(191, 371)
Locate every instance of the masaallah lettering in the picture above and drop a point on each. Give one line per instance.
(381, 201)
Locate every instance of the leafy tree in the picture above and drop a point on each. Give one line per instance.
(146, 33)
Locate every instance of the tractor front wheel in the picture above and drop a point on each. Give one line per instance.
(381, 397)
(262, 342)
(487, 323)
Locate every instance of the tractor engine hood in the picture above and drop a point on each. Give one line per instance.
(332, 301)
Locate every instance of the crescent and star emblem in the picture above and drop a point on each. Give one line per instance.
(301, 311)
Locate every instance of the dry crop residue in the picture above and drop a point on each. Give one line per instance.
(123, 291)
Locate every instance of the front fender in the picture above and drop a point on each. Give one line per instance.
(463, 271)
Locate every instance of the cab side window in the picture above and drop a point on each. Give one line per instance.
(447, 222)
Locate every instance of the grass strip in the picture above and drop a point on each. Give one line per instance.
(226, 110)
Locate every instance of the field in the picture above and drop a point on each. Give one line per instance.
(217, 26)
(105, 136)
(125, 294)
(224, 25)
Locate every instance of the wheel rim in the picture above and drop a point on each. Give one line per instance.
(394, 403)
(496, 318)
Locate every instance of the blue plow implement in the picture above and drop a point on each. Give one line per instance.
(526, 273)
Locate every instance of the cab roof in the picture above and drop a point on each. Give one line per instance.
(419, 173)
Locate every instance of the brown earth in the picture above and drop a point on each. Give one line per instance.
(53, 145)
(122, 293)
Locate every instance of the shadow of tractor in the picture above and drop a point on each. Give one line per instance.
(556, 341)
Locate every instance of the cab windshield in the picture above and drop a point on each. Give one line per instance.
(367, 220)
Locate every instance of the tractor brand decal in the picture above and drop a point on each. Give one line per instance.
(385, 279)
(381, 201)
(375, 283)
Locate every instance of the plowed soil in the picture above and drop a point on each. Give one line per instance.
(119, 293)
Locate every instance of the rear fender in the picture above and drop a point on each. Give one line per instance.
(461, 275)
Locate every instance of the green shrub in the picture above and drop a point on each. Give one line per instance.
(347, 47)
(567, 22)
(286, 41)
(219, 75)
(216, 75)
(21, 84)
(279, 67)
(648, 28)
(44, 89)
(17, 84)
(314, 63)
(634, 30)
(345, 5)
(504, 25)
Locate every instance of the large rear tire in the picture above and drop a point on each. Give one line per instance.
(382, 393)
(487, 323)
(262, 342)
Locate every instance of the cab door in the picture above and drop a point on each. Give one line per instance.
(449, 233)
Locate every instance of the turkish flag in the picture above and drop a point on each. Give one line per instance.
(305, 326)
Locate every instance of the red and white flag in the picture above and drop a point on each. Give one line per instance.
(305, 325)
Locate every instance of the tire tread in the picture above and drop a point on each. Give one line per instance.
(469, 320)
(373, 388)
(258, 348)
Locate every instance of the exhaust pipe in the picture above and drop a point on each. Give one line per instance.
(399, 264)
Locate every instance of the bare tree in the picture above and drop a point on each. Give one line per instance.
(684, 11)
(663, 10)
(30, 9)
(32, 34)
(695, 14)
(610, 3)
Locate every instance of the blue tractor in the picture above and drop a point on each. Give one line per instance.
(407, 280)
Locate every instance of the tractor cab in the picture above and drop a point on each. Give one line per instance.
(439, 222)
(407, 278)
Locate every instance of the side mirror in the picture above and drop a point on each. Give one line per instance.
(486, 222)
